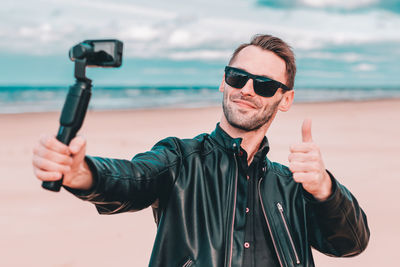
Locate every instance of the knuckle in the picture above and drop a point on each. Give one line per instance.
(36, 172)
(35, 149)
(43, 137)
(45, 153)
(48, 142)
(314, 157)
(34, 161)
(313, 145)
(34, 165)
(40, 174)
(37, 162)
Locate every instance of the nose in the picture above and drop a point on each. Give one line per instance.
(248, 88)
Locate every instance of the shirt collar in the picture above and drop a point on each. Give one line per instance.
(233, 144)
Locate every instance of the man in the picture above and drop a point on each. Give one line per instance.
(217, 199)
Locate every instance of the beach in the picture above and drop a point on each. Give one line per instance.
(359, 142)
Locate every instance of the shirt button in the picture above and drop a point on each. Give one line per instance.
(246, 244)
(247, 210)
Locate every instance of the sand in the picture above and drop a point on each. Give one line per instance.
(359, 142)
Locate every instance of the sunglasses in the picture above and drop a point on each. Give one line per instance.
(262, 85)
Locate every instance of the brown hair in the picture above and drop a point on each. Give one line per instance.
(279, 48)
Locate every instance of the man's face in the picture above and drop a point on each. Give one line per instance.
(244, 109)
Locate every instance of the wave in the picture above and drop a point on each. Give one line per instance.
(21, 99)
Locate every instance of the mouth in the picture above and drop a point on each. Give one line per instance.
(245, 104)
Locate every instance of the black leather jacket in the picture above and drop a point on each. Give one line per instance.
(198, 194)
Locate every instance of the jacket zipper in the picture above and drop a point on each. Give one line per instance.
(234, 211)
(269, 227)
(280, 208)
(187, 263)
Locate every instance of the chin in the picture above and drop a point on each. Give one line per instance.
(245, 123)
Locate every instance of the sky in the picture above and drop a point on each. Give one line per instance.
(338, 43)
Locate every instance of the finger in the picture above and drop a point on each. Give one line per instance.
(303, 147)
(47, 176)
(77, 144)
(303, 167)
(43, 152)
(50, 142)
(303, 157)
(47, 165)
(306, 131)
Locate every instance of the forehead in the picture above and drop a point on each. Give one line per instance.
(257, 61)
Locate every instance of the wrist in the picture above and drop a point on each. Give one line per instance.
(325, 189)
(83, 178)
(87, 177)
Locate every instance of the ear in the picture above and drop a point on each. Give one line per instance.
(222, 85)
(286, 101)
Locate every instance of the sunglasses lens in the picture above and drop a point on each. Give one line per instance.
(265, 88)
(236, 79)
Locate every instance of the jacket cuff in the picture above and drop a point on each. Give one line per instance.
(92, 192)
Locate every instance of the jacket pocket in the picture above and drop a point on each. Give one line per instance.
(286, 227)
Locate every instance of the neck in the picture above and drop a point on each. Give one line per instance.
(251, 140)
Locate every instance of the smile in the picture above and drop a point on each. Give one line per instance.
(244, 104)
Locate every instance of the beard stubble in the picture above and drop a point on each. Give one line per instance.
(251, 123)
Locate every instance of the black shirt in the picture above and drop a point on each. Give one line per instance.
(258, 247)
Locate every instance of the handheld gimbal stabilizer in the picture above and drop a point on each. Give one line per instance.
(89, 53)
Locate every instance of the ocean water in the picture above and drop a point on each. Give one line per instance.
(20, 99)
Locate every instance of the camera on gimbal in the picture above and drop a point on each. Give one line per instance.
(89, 53)
(98, 53)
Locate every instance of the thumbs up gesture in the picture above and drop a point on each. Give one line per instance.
(307, 166)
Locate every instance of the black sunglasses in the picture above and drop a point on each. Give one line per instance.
(263, 86)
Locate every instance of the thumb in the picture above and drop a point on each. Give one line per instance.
(306, 131)
(77, 146)
(78, 150)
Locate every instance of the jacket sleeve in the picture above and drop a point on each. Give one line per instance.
(337, 226)
(123, 185)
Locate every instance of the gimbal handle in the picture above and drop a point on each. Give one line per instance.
(73, 114)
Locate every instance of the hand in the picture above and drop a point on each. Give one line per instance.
(305, 161)
(53, 159)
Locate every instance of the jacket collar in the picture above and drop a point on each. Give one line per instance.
(233, 144)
